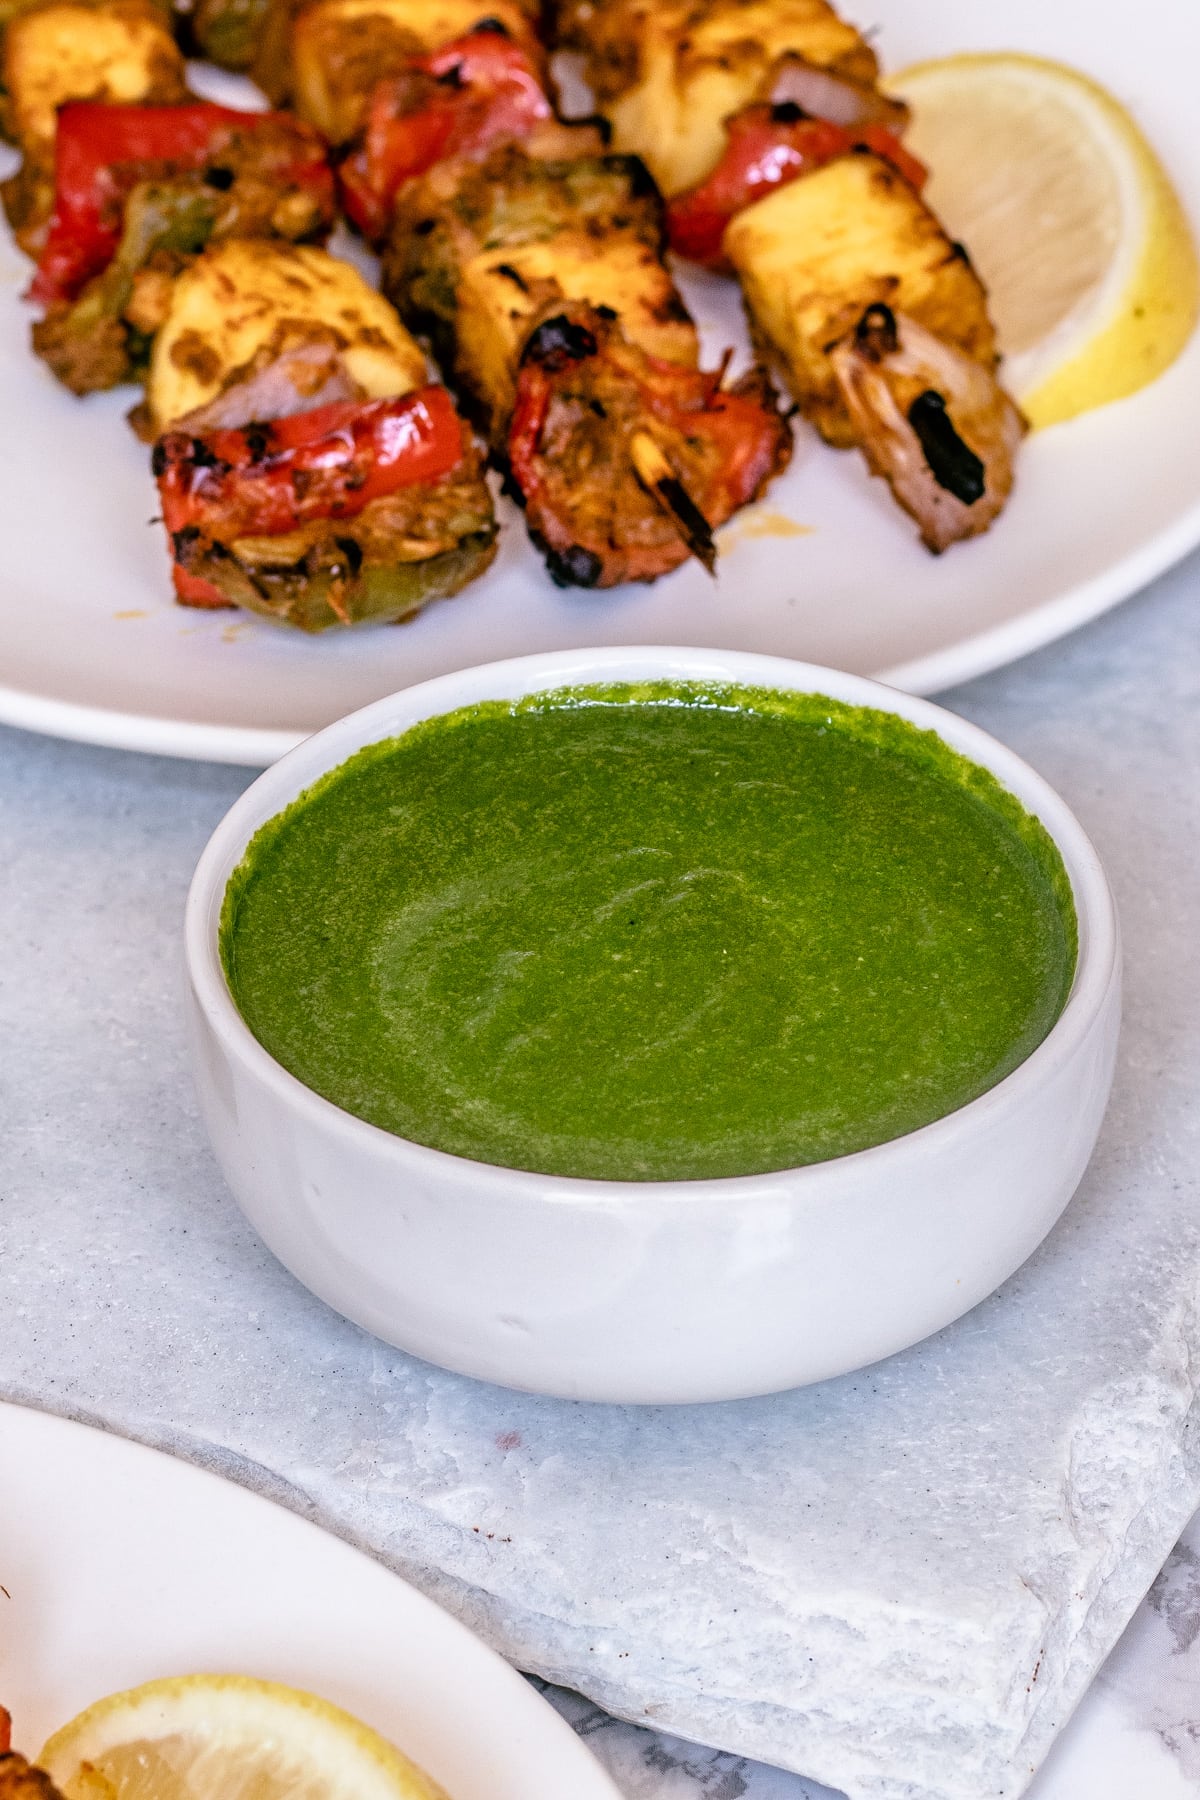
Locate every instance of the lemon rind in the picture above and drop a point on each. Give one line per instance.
(237, 1708)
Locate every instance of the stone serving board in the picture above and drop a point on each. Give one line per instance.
(899, 1583)
(1136, 1733)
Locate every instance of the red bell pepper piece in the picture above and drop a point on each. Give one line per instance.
(102, 150)
(265, 480)
(767, 147)
(736, 440)
(193, 590)
(762, 152)
(691, 400)
(476, 91)
(886, 144)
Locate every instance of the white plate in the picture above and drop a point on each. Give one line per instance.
(91, 646)
(119, 1564)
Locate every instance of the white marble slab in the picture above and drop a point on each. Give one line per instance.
(1135, 1736)
(899, 1583)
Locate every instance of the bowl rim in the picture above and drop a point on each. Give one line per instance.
(1097, 962)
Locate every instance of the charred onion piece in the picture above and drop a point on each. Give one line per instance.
(301, 369)
(822, 94)
(932, 421)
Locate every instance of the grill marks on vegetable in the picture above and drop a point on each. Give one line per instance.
(954, 465)
(558, 342)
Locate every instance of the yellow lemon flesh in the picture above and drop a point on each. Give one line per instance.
(226, 1737)
(1070, 219)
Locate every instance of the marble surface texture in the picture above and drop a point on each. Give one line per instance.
(1135, 1734)
(899, 1583)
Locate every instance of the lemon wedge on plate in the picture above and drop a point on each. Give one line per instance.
(226, 1737)
(1070, 219)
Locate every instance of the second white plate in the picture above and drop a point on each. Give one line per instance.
(118, 1564)
(826, 569)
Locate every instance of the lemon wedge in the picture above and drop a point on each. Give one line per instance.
(226, 1737)
(1070, 219)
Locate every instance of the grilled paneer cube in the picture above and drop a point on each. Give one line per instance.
(501, 292)
(288, 325)
(325, 57)
(480, 251)
(816, 254)
(11, 10)
(667, 73)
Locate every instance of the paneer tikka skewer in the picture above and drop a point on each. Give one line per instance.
(783, 161)
(532, 259)
(308, 470)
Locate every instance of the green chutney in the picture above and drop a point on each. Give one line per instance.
(659, 932)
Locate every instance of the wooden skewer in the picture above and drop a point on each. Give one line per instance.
(658, 478)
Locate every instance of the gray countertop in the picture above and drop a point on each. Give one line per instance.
(135, 1295)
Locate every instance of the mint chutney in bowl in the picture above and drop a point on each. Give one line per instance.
(663, 931)
(652, 1024)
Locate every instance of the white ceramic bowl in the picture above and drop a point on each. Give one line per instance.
(652, 1291)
